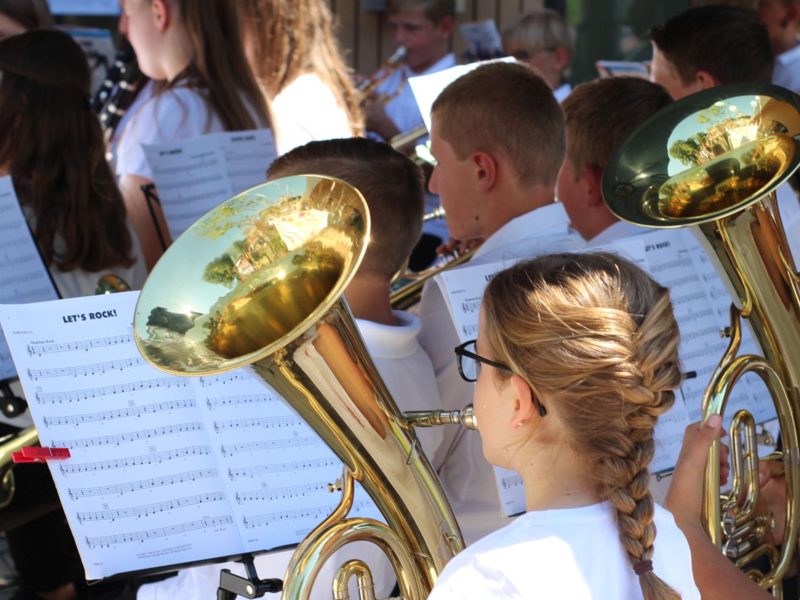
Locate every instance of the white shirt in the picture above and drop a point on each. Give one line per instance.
(618, 231)
(558, 554)
(562, 92)
(143, 96)
(177, 114)
(408, 374)
(305, 111)
(467, 477)
(787, 70)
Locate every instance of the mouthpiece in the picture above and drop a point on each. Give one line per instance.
(435, 418)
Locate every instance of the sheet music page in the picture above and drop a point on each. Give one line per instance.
(195, 175)
(750, 392)
(482, 38)
(275, 467)
(23, 275)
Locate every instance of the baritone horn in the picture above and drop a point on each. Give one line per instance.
(367, 87)
(290, 247)
(713, 161)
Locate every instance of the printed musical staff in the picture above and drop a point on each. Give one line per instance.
(281, 493)
(114, 340)
(149, 509)
(230, 377)
(469, 330)
(471, 306)
(230, 449)
(213, 403)
(134, 461)
(265, 422)
(144, 484)
(512, 481)
(131, 411)
(114, 365)
(128, 437)
(141, 536)
(318, 463)
(147, 384)
(317, 512)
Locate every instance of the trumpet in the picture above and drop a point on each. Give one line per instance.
(744, 142)
(367, 87)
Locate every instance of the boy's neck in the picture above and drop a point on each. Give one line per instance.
(368, 297)
(510, 204)
(786, 43)
(430, 61)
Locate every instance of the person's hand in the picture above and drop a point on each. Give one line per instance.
(772, 496)
(454, 245)
(685, 496)
(377, 120)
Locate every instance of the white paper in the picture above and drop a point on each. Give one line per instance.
(100, 50)
(427, 88)
(195, 175)
(482, 38)
(164, 470)
(23, 275)
(619, 68)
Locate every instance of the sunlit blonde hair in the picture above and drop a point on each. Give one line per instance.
(294, 37)
(539, 31)
(596, 337)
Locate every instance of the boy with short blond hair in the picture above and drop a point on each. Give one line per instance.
(782, 19)
(600, 115)
(498, 138)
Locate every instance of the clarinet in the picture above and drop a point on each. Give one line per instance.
(118, 91)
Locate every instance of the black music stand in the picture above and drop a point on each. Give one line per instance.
(252, 586)
(151, 197)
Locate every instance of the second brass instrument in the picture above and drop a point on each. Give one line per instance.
(714, 161)
(293, 245)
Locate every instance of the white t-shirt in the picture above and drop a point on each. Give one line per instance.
(408, 374)
(143, 96)
(467, 477)
(558, 554)
(177, 114)
(787, 70)
(306, 111)
(562, 92)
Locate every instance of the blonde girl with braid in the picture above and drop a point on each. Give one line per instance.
(576, 358)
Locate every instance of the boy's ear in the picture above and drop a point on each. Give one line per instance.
(594, 185)
(561, 58)
(485, 169)
(706, 80)
(792, 15)
(445, 26)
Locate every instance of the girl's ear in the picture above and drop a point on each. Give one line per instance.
(524, 405)
(162, 13)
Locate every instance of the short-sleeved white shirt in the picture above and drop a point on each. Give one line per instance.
(571, 553)
(306, 111)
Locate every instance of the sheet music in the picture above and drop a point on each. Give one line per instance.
(483, 39)
(164, 470)
(195, 175)
(23, 275)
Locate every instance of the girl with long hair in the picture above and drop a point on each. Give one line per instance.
(19, 16)
(576, 358)
(52, 146)
(203, 84)
(294, 53)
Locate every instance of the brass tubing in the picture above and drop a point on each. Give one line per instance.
(359, 569)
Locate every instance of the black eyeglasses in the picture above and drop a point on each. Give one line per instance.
(469, 367)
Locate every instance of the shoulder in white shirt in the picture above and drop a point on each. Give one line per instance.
(408, 374)
(562, 92)
(403, 109)
(571, 553)
(787, 70)
(306, 111)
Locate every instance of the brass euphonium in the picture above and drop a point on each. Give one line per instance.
(261, 278)
(714, 160)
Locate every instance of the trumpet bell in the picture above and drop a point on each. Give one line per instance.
(252, 275)
(705, 157)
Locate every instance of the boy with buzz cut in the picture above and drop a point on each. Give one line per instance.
(393, 187)
(423, 28)
(600, 115)
(498, 138)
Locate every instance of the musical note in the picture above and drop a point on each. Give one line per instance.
(317, 463)
(471, 306)
(281, 493)
(37, 350)
(270, 445)
(149, 509)
(229, 377)
(134, 461)
(132, 411)
(115, 365)
(141, 536)
(266, 422)
(318, 511)
(128, 437)
(144, 484)
(233, 400)
(162, 382)
(470, 330)
(512, 481)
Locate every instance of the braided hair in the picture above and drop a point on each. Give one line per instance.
(596, 336)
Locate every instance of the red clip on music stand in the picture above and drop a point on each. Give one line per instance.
(34, 454)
